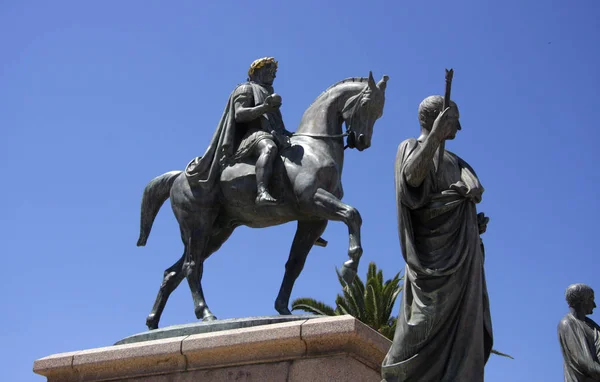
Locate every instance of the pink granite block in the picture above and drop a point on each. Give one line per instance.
(265, 343)
(322, 349)
(123, 361)
(345, 334)
(340, 368)
(56, 365)
(268, 372)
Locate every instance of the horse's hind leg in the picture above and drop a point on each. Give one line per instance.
(306, 235)
(172, 277)
(200, 247)
(194, 267)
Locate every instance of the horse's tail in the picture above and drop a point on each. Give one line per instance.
(155, 194)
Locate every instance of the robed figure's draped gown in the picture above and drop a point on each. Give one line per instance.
(444, 330)
(580, 345)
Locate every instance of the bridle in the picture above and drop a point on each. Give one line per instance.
(354, 104)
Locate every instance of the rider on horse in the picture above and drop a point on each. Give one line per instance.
(251, 125)
(216, 194)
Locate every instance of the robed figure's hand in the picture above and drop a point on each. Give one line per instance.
(445, 125)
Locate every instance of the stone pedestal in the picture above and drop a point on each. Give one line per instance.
(318, 349)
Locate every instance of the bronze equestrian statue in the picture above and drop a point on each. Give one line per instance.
(227, 188)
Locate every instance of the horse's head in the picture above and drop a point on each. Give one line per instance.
(362, 110)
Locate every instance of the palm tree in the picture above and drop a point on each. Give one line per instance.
(370, 303)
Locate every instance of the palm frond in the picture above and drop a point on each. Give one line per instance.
(376, 284)
(360, 286)
(351, 300)
(342, 305)
(370, 304)
(311, 305)
(371, 271)
(390, 302)
(389, 329)
(391, 291)
(373, 298)
(357, 290)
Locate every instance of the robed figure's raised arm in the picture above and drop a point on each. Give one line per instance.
(418, 166)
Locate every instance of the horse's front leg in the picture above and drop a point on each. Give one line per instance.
(326, 206)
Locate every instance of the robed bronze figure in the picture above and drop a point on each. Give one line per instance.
(444, 330)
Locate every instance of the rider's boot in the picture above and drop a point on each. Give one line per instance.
(264, 169)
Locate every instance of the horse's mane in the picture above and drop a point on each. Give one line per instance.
(350, 79)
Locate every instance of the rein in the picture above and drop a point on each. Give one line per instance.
(324, 136)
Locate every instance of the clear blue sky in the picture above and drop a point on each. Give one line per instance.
(97, 98)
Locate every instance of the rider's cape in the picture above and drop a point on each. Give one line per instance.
(205, 170)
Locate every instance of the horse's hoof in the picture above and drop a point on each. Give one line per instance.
(348, 274)
(151, 322)
(210, 317)
(283, 310)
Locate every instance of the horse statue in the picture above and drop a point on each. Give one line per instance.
(308, 184)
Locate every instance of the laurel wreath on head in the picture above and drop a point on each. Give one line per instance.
(257, 64)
